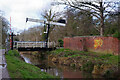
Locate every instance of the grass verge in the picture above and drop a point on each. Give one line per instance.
(19, 69)
(92, 56)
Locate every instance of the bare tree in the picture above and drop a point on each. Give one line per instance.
(32, 34)
(50, 15)
(78, 23)
(4, 27)
(99, 9)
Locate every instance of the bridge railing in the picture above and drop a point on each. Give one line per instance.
(28, 44)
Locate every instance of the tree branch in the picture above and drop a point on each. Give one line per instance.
(96, 28)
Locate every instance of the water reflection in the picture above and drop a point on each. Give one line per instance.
(1, 66)
(53, 69)
(27, 60)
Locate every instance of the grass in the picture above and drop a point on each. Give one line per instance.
(2, 48)
(19, 69)
(92, 56)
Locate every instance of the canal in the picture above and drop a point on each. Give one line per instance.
(35, 58)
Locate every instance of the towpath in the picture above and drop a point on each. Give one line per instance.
(3, 65)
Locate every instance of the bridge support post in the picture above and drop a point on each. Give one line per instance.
(12, 42)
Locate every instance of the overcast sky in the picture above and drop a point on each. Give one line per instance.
(20, 9)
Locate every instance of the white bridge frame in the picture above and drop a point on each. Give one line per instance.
(32, 44)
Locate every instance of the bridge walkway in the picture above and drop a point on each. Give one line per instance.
(3, 65)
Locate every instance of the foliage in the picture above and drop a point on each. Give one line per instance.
(4, 27)
(91, 56)
(13, 53)
(106, 55)
(117, 35)
(19, 69)
(60, 43)
(88, 66)
(111, 25)
(57, 51)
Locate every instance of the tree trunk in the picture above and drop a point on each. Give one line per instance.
(101, 31)
(119, 20)
(102, 26)
(102, 19)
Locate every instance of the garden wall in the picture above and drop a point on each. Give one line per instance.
(93, 43)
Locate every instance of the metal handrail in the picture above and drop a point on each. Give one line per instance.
(26, 44)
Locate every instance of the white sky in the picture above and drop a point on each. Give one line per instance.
(20, 9)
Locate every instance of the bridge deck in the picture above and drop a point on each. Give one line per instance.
(35, 49)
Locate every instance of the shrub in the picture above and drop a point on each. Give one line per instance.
(106, 56)
(13, 53)
(117, 35)
(88, 66)
(60, 43)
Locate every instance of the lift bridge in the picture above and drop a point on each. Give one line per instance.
(37, 45)
(33, 46)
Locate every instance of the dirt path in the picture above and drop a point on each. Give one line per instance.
(3, 65)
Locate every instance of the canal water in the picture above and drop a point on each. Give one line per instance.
(53, 69)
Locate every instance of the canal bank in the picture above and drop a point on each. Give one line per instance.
(66, 63)
(17, 68)
(104, 65)
(40, 59)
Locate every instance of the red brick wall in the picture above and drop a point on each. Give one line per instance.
(93, 43)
